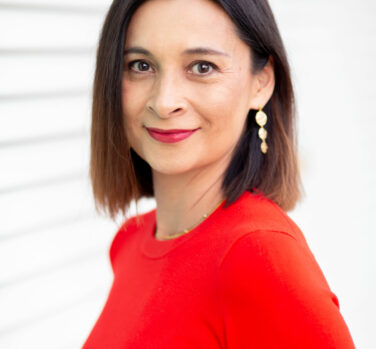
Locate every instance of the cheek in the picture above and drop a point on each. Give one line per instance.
(224, 107)
(133, 101)
(132, 106)
(133, 98)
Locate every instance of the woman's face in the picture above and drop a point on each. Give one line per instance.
(185, 68)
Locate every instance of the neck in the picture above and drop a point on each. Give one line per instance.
(183, 198)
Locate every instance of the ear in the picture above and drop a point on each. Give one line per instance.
(263, 86)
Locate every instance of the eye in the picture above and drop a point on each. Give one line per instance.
(139, 66)
(199, 68)
(203, 68)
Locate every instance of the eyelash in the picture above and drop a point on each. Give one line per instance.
(130, 64)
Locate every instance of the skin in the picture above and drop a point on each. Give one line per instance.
(170, 89)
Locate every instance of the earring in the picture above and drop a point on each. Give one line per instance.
(261, 120)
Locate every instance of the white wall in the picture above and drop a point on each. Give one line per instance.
(54, 267)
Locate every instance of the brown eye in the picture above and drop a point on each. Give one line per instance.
(139, 66)
(203, 68)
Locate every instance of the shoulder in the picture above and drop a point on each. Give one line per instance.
(255, 231)
(126, 232)
(267, 248)
(271, 257)
(255, 212)
(272, 292)
(272, 270)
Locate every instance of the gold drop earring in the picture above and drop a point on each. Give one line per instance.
(261, 120)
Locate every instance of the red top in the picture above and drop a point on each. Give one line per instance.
(243, 278)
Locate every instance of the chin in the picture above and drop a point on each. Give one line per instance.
(170, 167)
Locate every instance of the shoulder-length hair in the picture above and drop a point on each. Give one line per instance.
(118, 175)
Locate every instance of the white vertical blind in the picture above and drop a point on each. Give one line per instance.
(54, 270)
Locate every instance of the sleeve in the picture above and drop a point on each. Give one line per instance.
(117, 242)
(273, 294)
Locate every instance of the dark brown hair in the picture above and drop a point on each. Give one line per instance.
(119, 175)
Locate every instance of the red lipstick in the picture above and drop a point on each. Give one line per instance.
(169, 136)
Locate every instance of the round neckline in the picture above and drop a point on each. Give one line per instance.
(154, 248)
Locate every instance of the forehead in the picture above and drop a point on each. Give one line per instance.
(178, 24)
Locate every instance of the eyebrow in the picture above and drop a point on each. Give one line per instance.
(191, 51)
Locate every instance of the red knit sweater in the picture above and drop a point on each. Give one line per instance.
(244, 278)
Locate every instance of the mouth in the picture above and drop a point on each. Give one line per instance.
(169, 131)
(171, 135)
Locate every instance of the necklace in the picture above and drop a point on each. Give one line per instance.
(186, 231)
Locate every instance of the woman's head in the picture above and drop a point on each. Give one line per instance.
(190, 71)
(191, 64)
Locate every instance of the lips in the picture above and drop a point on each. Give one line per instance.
(159, 130)
(171, 135)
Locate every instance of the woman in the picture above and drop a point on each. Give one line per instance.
(193, 105)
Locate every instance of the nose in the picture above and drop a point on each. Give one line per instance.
(167, 98)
